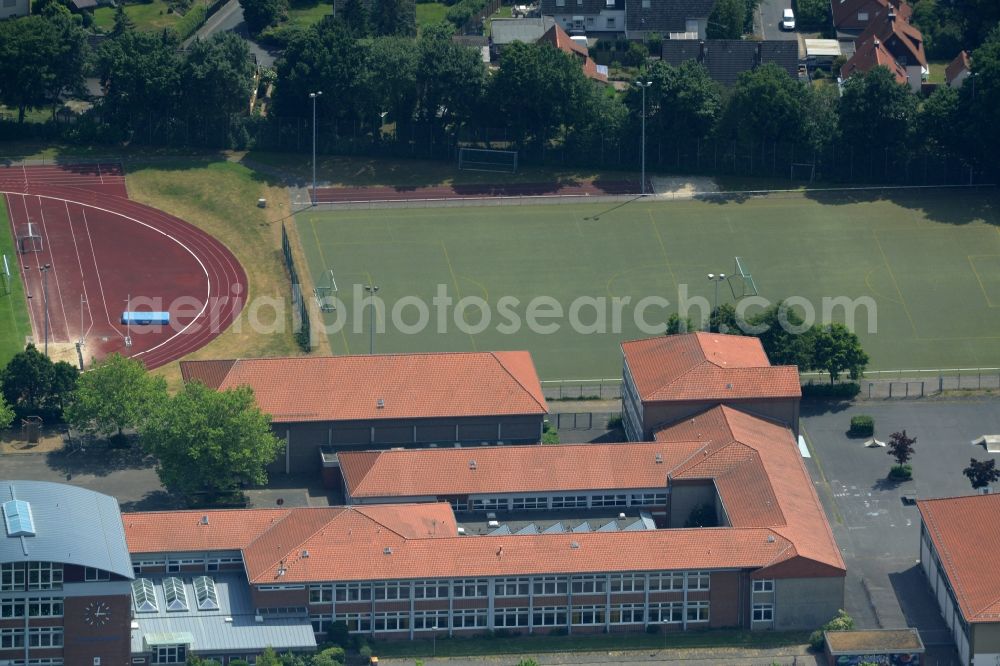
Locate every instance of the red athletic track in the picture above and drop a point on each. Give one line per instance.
(107, 249)
(106, 177)
(576, 188)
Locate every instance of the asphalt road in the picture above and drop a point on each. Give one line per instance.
(230, 19)
(769, 20)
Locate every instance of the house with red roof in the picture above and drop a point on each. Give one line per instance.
(892, 42)
(670, 377)
(958, 70)
(558, 38)
(854, 16)
(958, 535)
(334, 403)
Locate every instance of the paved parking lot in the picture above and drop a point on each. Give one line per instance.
(880, 536)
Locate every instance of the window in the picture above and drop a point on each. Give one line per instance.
(352, 592)
(39, 607)
(588, 584)
(550, 616)
(697, 611)
(570, 501)
(471, 588)
(283, 610)
(510, 617)
(527, 503)
(430, 589)
(560, 3)
(146, 565)
(321, 623)
(667, 612)
(763, 585)
(666, 582)
(91, 574)
(11, 638)
(608, 500)
(628, 583)
(489, 504)
(173, 567)
(279, 588)
(691, 25)
(143, 595)
(590, 20)
(11, 608)
(390, 591)
(862, 16)
(11, 577)
(204, 590)
(649, 499)
(170, 654)
(550, 586)
(628, 614)
(45, 637)
(587, 615)
(174, 594)
(320, 594)
(357, 623)
(609, 4)
(430, 620)
(469, 618)
(699, 580)
(645, 4)
(399, 621)
(763, 612)
(510, 587)
(611, 22)
(45, 575)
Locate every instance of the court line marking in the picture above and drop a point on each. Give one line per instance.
(100, 282)
(979, 279)
(902, 299)
(79, 261)
(55, 272)
(20, 270)
(326, 267)
(458, 289)
(663, 249)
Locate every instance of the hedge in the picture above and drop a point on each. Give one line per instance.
(862, 426)
(191, 21)
(841, 391)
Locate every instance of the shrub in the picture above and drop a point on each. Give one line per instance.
(365, 651)
(842, 622)
(824, 391)
(331, 655)
(901, 472)
(615, 422)
(191, 21)
(550, 435)
(862, 426)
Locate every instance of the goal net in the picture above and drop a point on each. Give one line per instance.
(480, 159)
(324, 292)
(802, 171)
(29, 239)
(741, 281)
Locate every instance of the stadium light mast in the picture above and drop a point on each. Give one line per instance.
(313, 96)
(716, 279)
(372, 289)
(45, 300)
(643, 85)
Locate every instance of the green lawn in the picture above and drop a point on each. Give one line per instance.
(14, 322)
(937, 68)
(146, 16)
(461, 647)
(306, 13)
(929, 262)
(430, 13)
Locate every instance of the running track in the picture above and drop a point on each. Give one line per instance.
(106, 250)
(574, 188)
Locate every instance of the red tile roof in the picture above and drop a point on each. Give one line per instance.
(965, 532)
(869, 55)
(706, 366)
(846, 11)
(511, 469)
(960, 64)
(558, 38)
(342, 388)
(900, 37)
(762, 481)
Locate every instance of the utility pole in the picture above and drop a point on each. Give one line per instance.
(313, 96)
(643, 85)
(45, 299)
(372, 289)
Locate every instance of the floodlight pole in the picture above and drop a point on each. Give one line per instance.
(313, 96)
(643, 85)
(128, 321)
(716, 279)
(45, 299)
(372, 289)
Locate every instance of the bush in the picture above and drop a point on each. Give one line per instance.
(842, 622)
(191, 21)
(365, 651)
(862, 426)
(331, 655)
(550, 435)
(841, 391)
(901, 472)
(279, 35)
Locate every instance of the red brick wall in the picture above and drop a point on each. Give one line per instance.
(84, 641)
(724, 598)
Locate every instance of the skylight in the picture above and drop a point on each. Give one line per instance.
(17, 518)
(174, 594)
(143, 595)
(204, 589)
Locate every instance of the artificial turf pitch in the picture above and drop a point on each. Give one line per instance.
(929, 260)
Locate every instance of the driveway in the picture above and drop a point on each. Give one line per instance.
(229, 18)
(769, 20)
(879, 536)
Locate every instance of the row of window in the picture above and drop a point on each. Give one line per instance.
(36, 607)
(562, 502)
(39, 576)
(671, 612)
(38, 637)
(763, 612)
(473, 588)
(174, 566)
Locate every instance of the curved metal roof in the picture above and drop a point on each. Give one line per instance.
(71, 525)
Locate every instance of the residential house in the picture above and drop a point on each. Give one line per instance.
(854, 16)
(726, 59)
(958, 70)
(14, 8)
(634, 19)
(892, 37)
(506, 31)
(558, 38)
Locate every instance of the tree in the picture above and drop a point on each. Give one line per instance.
(115, 394)
(356, 18)
(981, 473)
(783, 336)
(836, 349)
(32, 382)
(389, 83)
(451, 79)
(123, 22)
(980, 97)
(260, 14)
(900, 447)
(941, 25)
(876, 112)
(395, 17)
(812, 14)
(210, 441)
(725, 320)
(675, 324)
(941, 121)
(727, 19)
(141, 73)
(767, 105)
(217, 80)
(682, 101)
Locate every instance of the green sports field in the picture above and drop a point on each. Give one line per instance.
(930, 263)
(14, 323)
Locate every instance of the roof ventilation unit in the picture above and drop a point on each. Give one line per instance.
(472, 464)
(204, 520)
(574, 544)
(770, 538)
(387, 551)
(659, 458)
(305, 553)
(380, 403)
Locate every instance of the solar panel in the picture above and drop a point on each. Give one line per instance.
(204, 589)
(174, 594)
(17, 518)
(143, 595)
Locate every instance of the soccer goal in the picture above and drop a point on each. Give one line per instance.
(29, 239)
(324, 292)
(480, 159)
(741, 281)
(802, 171)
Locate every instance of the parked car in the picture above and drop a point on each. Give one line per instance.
(788, 19)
